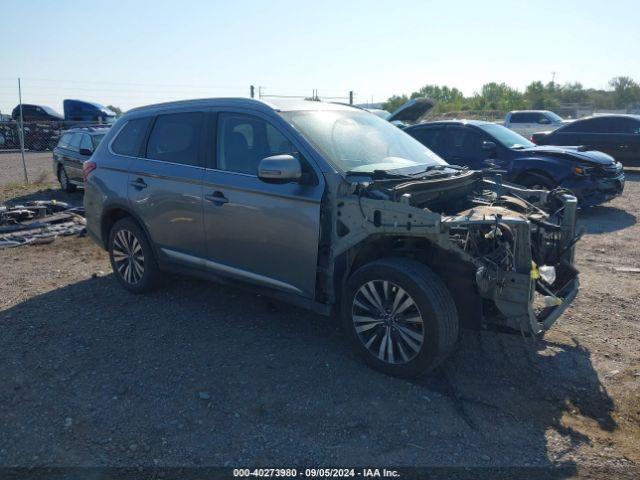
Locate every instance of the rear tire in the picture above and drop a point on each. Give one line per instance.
(403, 304)
(132, 258)
(63, 178)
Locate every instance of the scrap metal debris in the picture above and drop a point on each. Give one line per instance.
(38, 222)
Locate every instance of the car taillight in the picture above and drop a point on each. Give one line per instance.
(87, 168)
(533, 140)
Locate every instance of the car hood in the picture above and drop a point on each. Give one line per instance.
(412, 111)
(573, 154)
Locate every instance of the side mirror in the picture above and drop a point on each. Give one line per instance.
(279, 169)
(489, 146)
(544, 121)
(85, 152)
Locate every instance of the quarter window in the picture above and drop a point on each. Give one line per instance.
(175, 138)
(130, 139)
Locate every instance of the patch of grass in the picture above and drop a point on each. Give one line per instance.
(19, 189)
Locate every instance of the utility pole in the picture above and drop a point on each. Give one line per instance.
(259, 91)
(253, 91)
(24, 164)
(350, 97)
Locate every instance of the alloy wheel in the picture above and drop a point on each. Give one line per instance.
(128, 256)
(387, 321)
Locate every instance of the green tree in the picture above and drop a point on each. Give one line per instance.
(625, 91)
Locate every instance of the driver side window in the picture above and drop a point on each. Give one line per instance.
(244, 140)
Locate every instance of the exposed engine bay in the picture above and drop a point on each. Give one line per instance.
(518, 242)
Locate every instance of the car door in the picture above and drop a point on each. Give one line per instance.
(433, 137)
(264, 233)
(523, 123)
(464, 145)
(165, 186)
(77, 158)
(626, 133)
(70, 155)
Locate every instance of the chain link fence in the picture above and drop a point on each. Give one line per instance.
(40, 136)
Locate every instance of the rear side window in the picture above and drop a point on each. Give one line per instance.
(590, 125)
(625, 125)
(74, 143)
(518, 118)
(130, 138)
(432, 138)
(176, 138)
(65, 140)
(86, 142)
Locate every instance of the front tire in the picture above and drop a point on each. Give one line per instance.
(132, 258)
(400, 317)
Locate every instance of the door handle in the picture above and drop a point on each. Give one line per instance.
(138, 183)
(217, 198)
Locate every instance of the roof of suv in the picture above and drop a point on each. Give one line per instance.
(90, 129)
(271, 104)
(453, 122)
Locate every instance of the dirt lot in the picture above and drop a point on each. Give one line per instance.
(199, 374)
(39, 167)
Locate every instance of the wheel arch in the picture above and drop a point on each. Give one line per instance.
(457, 274)
(534, 172)
(116, 212)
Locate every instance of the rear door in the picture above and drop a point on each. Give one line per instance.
(264, 233)
(465, 147)
(626, 131)
(76, 159)
(433, 137)
(524, 123)
(71, 155)
(165, 187)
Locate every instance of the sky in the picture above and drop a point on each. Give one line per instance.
(131, 53)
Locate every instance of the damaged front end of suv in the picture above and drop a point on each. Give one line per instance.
(506, 253)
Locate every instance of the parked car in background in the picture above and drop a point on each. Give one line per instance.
(36, 113)
(527, 122)
(75, 147)
(617, 135)
(594, 177)
(81, 111)
(332, 208)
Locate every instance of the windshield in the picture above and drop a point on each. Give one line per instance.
(554, 117)
(506, 137)
(356, 141)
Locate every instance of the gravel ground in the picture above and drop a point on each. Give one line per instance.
(200, 374)
(39, 167)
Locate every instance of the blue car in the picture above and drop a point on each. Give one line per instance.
(593, 177)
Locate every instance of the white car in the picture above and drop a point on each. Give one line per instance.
(528, 122)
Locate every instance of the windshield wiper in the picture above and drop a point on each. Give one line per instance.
(377, 174)
(433, 168)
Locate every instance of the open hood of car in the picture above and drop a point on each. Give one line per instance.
(573, 153)
(412, 111)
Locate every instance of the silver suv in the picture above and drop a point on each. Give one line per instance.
(335, 209)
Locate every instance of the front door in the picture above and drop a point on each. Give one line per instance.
(259, 232)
